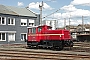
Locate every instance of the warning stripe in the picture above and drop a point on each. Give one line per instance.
(45, 34)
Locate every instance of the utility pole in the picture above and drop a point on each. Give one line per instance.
(82, 24)
(41, 6)
(69, 23)
(64, 23)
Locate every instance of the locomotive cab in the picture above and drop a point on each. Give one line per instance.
(35, 34)
(31, 36)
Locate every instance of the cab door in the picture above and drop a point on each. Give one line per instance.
(32, 34)
(29, 34)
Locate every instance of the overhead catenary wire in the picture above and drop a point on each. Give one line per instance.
(51, 13)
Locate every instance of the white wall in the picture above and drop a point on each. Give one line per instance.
(51, 23)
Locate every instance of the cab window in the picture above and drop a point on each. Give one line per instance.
(32, 30)
(39, 29)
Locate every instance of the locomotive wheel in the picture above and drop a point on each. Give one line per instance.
(57, 48)
(61, 47)
(37, 47)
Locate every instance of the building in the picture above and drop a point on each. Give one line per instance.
(51, 23)
(83, 32)
(80, 32)
(14, 22)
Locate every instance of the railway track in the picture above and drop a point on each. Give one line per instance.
(28, 54)
(81, 44)
(78, 52)
(81, 47)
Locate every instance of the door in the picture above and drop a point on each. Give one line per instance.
(11, 37)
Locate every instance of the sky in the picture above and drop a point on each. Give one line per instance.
(59, 10)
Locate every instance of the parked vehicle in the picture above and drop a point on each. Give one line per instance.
(43, 36)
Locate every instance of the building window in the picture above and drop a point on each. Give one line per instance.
(31, 22)
(2, 36)
(23, 22)
(2, 20)
(11, 21)
(23, 36)
(11, 36)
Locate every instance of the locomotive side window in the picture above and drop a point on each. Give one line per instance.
(33, 30)
(39, 29)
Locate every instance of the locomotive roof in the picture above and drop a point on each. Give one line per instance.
(44, 25)
(39, 26)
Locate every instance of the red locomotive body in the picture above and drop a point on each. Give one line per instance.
(43, 36)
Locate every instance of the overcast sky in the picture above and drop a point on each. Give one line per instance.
(63, 9)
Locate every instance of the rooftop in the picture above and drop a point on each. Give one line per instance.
(16, 11)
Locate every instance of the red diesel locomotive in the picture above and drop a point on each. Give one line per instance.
(43, 36)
